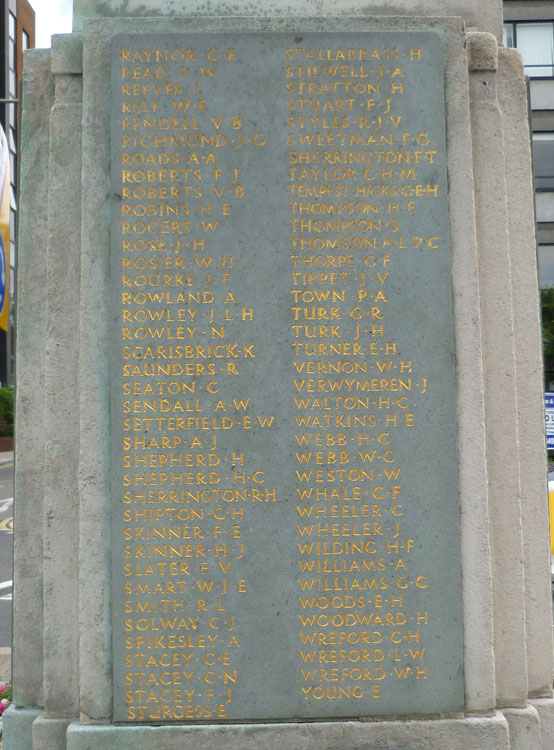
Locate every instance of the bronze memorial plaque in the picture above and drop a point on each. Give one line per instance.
(285, 526)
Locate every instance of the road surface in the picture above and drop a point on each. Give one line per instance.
(6, 551)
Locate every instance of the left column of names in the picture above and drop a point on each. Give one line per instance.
(184, 492)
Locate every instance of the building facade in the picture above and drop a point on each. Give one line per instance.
(17, 33)
(529, 26)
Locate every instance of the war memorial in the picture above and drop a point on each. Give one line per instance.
(280, 459)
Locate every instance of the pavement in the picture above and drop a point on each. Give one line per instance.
(5, 666)
(5, 653)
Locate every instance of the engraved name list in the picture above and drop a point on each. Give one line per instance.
(285, 504)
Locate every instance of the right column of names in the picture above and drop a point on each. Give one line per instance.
(358, 175)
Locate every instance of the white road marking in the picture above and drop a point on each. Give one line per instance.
(6, 585)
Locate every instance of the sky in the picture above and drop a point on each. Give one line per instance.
(51, 17)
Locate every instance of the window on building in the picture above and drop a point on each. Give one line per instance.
(546, 266)
(24, 40)
(543, 160)
(535, 41)
(12, 25)
(13, 219)
(12, 84)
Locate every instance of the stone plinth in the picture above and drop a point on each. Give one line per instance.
(293, 489)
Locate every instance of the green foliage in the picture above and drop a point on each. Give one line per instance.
(6, 411)
(547, 302)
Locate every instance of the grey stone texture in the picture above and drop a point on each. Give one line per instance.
(544, 708)
(489, 733)
(499, 374)
(486, 16)
(30, 406)
(94, 480)
(17, 727)
(524, 727)
(512, 93)
(61, 497)
(474, 514)
(49, 733)
(62, 652)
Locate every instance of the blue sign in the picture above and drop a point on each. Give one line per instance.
(3, 274)
(549, 409)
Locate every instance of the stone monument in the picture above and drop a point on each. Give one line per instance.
(280, 469)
